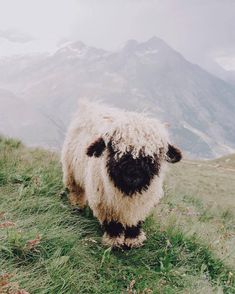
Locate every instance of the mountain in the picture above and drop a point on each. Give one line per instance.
(150, 75)
(219, 69)
(230, 76)
(19, 119)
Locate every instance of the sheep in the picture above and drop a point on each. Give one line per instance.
(114, 161)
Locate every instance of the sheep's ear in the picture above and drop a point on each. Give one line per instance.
(173, 154)
(96, 148)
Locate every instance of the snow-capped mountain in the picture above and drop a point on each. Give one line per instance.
(151, 75)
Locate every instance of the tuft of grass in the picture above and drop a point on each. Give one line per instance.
(12, 143)
(47, 247)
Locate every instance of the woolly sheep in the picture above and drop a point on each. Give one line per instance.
(115, 161)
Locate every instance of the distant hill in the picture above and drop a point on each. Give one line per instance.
(150, 75)
(19, 119)
(226, 161)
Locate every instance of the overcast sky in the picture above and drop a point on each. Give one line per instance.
(196, 28)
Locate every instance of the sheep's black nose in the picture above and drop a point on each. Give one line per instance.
(137, 181)
(133, 177)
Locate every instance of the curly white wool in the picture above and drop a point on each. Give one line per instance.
(128, 131)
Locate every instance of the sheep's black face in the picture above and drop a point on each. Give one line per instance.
(131, 175)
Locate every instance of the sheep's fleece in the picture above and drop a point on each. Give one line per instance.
(114, 161)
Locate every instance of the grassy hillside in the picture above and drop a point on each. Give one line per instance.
(46, 247)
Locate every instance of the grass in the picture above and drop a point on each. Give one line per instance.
(200, 200)
(46, 247)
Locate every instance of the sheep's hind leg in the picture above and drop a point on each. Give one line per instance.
(134, 236)
(76, 195)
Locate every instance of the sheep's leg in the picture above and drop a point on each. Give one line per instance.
(114, 234)
(77, 196)
(134, 236)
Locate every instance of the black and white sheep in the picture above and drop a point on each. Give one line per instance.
(114, 161)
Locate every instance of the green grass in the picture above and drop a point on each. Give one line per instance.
(200, 200)
(46, 247)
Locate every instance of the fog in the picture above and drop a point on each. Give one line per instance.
(198, 29)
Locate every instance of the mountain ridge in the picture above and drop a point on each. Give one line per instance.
(152, 75)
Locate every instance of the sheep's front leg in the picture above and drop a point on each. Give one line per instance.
(134, 236)
(114, 234)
